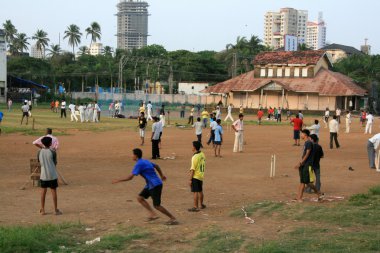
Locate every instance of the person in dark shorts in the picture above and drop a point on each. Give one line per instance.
(297, 127)
(305, 167)
(197, 171)
(317, 155)
(25, 112)
(49, 175)
(153, 187)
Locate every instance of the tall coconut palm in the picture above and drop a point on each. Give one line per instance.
(94, 31)
(74, 35)
(20, 43)
(41, 40)
(10, 31)
(54, 50)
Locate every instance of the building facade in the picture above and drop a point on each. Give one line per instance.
(96, 49)
(316, 33)
(36, 53)
(3, 67)
(191, 88)
(288, 21)
(132, 24)
(296, 80)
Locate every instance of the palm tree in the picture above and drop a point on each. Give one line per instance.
(10, 31)
(74, 35)
(108, 51)
(41, 40)
(54, 50)
(94, 31)
(20, 43)
(83, 50)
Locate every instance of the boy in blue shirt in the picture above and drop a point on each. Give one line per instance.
(218, 139)
(153, 187)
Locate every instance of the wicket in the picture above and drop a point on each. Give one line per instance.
(272, 166)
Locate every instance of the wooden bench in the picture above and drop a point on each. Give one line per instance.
(35, 171)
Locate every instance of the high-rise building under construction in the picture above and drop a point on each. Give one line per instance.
(132, 24)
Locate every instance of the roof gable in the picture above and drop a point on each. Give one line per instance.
(310, 57)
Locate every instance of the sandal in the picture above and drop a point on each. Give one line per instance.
(172, 223)
(203, 206)
(58, 212)
(193, 209)
(42, 212)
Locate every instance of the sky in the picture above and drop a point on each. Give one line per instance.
(194, 25)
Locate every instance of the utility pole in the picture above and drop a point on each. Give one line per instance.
(234, 65)
(171, 79)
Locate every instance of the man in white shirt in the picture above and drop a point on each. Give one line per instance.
(25, 112)
(368, 127)
(314, 129)
(156, 130)
(334, 130)
(229, 113)
(117, 109)
(90, 110)
(81, 112)
(198, 130)
(327, 116)
(95, 116)
(150, 108)
(238, 127)
(218, 113)
(372, 146)
(338, 112)
(72, 112)
(348, 122)
(63, 108)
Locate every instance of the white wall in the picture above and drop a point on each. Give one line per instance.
(191, 88)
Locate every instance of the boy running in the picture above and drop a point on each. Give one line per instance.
(153, 187)
(260, 115)
(49, 175)
(197, 170)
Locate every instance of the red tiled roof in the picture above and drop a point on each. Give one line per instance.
(325, 83)
(309, 57)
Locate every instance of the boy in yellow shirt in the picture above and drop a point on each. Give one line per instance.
(197, 170)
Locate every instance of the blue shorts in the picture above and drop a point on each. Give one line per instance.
(296, 134)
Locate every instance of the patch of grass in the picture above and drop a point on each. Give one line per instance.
(215, 241)
(375, 190)
(44, 238)
(307, 239)
(39, 238)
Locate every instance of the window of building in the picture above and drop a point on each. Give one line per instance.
(262, 72)
(270, 72)
(304, 72)
(279, 72)
(296, 72)
(2, 92)
(287, 72)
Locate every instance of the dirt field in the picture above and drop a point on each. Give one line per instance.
(89, 161)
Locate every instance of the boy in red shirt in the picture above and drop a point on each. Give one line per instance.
(260, 114)
(297, 127)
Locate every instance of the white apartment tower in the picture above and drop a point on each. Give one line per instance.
(3, 67)
(288, 21)
(35, 53)
(132, 24)
(96, 49)
(316, 34)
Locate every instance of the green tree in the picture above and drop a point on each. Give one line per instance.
(83, 50)
(108, 51)
(20, 43)
(10, 31)
(41, 40)
(74, 35)
(54, 51)
(94, 31)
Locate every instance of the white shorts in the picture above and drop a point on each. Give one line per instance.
(142, 132)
